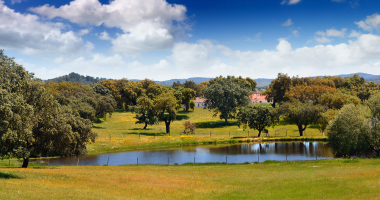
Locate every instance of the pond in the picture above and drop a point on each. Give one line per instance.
(290, 151)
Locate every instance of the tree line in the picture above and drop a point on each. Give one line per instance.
(56, 118)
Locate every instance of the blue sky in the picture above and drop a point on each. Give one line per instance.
(160, 39)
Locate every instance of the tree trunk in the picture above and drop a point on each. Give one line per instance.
(300, 129)
(226, 120)
(167, 124)
(25, 163)
(259, 133)
(146, 124)
(378, 153)
(187, 108)
(274, 103)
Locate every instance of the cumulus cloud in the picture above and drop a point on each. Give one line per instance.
(146, 24)
(332, 33)
(370, 23)
(354, 34)
(206, 57)
(336, 33)
(26, 33)
(322, 39)
(288, 22)
(83, 32)
(104, 36)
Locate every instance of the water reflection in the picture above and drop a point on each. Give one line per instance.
(234, 153)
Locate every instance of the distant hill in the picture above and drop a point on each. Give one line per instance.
(74, 77)
(261, 82)
(197, 80)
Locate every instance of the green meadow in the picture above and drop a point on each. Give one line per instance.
(120, 133)
(327, 179)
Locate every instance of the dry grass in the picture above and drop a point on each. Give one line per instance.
(331, 179)
(120, 133)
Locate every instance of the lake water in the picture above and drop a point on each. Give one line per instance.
(240, 153)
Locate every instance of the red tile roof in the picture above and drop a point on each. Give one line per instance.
(254, 96)
(199, 100)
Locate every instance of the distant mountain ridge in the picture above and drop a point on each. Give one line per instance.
(261, 82)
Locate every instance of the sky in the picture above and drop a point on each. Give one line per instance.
(167, 39)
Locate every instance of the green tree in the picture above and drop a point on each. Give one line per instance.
(277, 89)
(247, 82)
(346, 130)
(337, 100)
(325, 119)
(146, 111)
(257, 116)
(187, 95)
(166, 105)
(192, 104)
(225, 96)
(32, 123)
(101, 89)
(302, 114)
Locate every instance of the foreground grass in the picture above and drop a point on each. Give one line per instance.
(120, 133)
(331, 179)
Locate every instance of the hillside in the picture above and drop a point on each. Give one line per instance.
(261, 82)
(74, 77)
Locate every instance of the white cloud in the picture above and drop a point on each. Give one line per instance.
(146, 24)
(290, 2)
(206, 57)
(16, 1)
(83, 32)
(104, 36)
(295, 33)
(370, 23)
(196, 56)
(322, 39)
(354, 34)
(332, 33)
(288, 22)
(336, 33)
(26, 33)
(320, 33)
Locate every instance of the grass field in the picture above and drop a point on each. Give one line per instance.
(330, 179)
(120, 133)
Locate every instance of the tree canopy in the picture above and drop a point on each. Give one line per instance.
(302, 114)
(224, 96)
(32, 123)
(256, 116)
